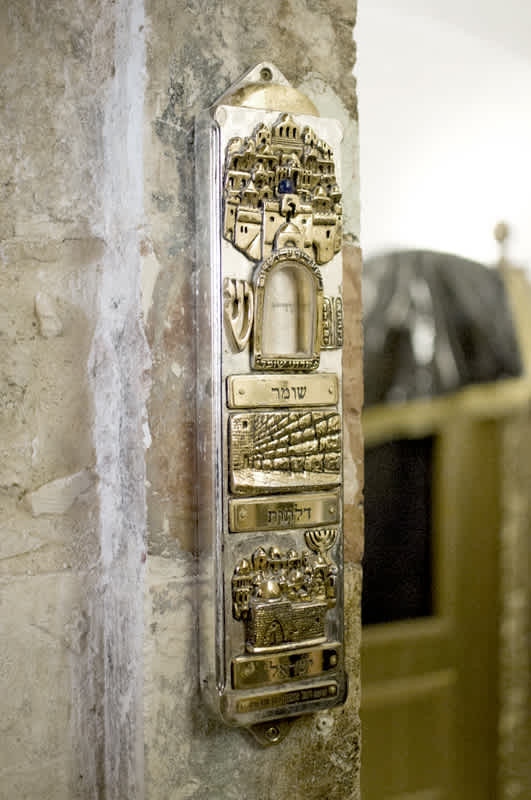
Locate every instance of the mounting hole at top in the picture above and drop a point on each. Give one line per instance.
(266, 74)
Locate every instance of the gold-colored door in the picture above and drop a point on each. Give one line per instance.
(429, 684)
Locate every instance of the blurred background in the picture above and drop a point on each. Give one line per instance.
(444, 96)
(445, 138)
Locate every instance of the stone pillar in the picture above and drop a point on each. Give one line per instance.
(100, 695)
(192, 59)
(73, 385)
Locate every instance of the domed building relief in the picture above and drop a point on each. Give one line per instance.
(283, 597)
(278, 175)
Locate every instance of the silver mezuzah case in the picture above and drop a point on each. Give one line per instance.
(270, 419)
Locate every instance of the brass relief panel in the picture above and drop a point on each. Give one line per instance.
(286, 700)
(332, 327)
(268, 670)
(280, 185)
(269, 376)
(275, 451)
(271, 391)
(283, 596)
(283, 512)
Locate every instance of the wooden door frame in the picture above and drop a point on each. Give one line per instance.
(468, 427)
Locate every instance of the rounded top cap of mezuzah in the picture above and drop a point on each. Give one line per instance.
(266, 88)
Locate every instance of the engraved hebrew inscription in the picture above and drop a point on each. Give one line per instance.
(255, 391)
(263, 670)
(283, 512)
(283, 699)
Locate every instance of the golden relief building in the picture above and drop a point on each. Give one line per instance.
(280, 189)
(283, 597)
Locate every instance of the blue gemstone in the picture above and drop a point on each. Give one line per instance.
(286, 186)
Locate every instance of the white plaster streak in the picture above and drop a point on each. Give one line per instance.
(150, 271)
(119, 363)
(350, 478)
(147, 435)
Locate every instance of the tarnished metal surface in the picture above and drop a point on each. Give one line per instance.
(283, 512)
(261, 702)
(275, 451)
(255, 671)
(270, 316)
(266, 391)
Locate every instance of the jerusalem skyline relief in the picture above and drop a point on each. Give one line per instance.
(281, 188)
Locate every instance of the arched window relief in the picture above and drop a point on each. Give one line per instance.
(288, 312)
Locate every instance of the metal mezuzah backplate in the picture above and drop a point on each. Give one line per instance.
(270, 454)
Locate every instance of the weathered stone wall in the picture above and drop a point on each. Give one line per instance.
(98, 669)
(72, 363)
(51, 158)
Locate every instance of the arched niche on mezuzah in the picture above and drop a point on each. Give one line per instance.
(288, 313)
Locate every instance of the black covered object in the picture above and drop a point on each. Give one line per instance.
(433, 323)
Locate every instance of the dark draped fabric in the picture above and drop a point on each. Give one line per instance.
(433, 323)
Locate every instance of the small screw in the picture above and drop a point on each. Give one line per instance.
(333, 661)
(273, 733)
(241, 391)
(325, 724)
(330, 390)
(243, 513)
(266, 74)
(332, 509)
(332, 690)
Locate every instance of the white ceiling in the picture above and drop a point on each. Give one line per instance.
(505, 22)
(445, 125)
